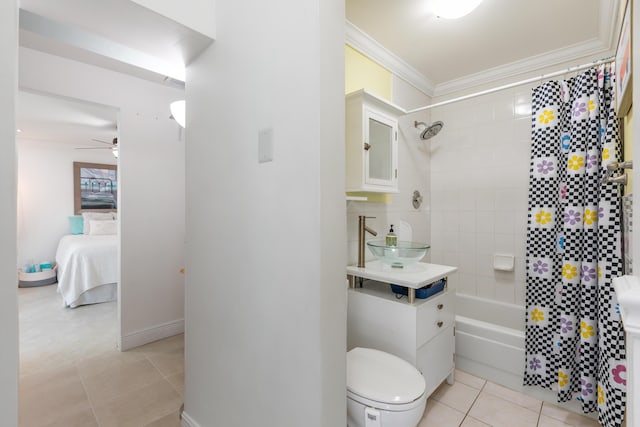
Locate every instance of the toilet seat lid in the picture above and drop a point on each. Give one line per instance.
(382, 377)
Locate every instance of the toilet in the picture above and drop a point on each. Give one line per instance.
(383, 390)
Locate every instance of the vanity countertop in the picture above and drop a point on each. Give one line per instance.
(413, 276)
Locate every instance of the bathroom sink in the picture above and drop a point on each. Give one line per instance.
(403, 254)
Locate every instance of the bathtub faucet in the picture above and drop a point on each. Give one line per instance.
(362, 228)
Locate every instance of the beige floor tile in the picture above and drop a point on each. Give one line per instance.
(41, 380)
(177, 381)
(37, 362)
(567, 417)
(472, 422)
(516, 397)
(470, 380)
(169, 362)
(457, 396)
(551, 422)
(51, 397)
(140, 407)
(498, 412)
(120, 379)
(170, 420)
(438, 415)
(81, 418)
(166, 355)
(163, 345)
(104, 362)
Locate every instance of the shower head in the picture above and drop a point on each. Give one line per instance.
(429, 131)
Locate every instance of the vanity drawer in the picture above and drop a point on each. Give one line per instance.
(434, 316)
(435, 359)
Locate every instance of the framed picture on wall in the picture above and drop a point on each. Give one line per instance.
(623, 64)
(95, 187)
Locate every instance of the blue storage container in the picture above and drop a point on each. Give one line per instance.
(421, 293)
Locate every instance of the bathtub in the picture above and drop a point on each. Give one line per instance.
(490, 345)
(490, 340)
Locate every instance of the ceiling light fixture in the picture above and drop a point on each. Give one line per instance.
(178, 112)
(114, 151)
(454, 9)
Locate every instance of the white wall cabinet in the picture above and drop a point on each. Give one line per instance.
(420, 333)
(371, 143)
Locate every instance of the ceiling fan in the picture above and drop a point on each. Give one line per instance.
(113, 146)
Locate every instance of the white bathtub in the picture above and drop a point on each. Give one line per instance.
(490, 345)
(490, 340)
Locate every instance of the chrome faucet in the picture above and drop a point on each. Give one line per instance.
(362, 228)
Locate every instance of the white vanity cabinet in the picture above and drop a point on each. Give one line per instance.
(371, 143)
(421, 333)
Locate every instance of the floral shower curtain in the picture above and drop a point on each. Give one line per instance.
(574, 337)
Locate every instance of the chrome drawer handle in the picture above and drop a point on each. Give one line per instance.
(440, 306)
(440, 323)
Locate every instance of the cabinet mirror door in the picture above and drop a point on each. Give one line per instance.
(380, 153)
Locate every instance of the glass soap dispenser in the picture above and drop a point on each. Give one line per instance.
(391, 239)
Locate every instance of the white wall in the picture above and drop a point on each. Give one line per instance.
(45, 194)
(479, 181)
(8, 273)
(413, 174)
(151, 179)
(198, 15)
(265, 292)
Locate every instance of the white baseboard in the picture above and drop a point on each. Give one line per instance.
(155, 333)
(187, 421)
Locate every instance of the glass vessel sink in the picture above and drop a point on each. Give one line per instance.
(403, 254)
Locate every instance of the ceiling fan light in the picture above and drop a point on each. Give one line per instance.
(454, 9)
(178, 112)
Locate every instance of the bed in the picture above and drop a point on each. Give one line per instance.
(87, 269)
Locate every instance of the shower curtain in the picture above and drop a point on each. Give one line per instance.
(574, 337)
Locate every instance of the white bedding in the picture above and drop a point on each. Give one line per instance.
(87, 269)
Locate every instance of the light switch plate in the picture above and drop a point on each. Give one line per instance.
(265, 145)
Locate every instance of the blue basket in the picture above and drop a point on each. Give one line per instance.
(421, 293)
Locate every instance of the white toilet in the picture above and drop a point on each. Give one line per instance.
(383, 390)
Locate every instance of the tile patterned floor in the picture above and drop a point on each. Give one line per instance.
(72, 375)
(475, 402)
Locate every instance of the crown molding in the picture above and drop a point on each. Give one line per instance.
(364, 43)
(611, 16)
(593, 49)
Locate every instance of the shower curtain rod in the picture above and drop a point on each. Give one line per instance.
(510, 85)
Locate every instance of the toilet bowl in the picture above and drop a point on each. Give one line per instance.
(383, 390)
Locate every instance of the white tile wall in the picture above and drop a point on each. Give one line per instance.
(479, 181)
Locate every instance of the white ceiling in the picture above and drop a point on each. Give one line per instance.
(500, 37)
(44, 117)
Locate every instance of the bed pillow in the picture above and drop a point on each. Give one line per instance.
(94, 216)
(99, 228)
(76, 224)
